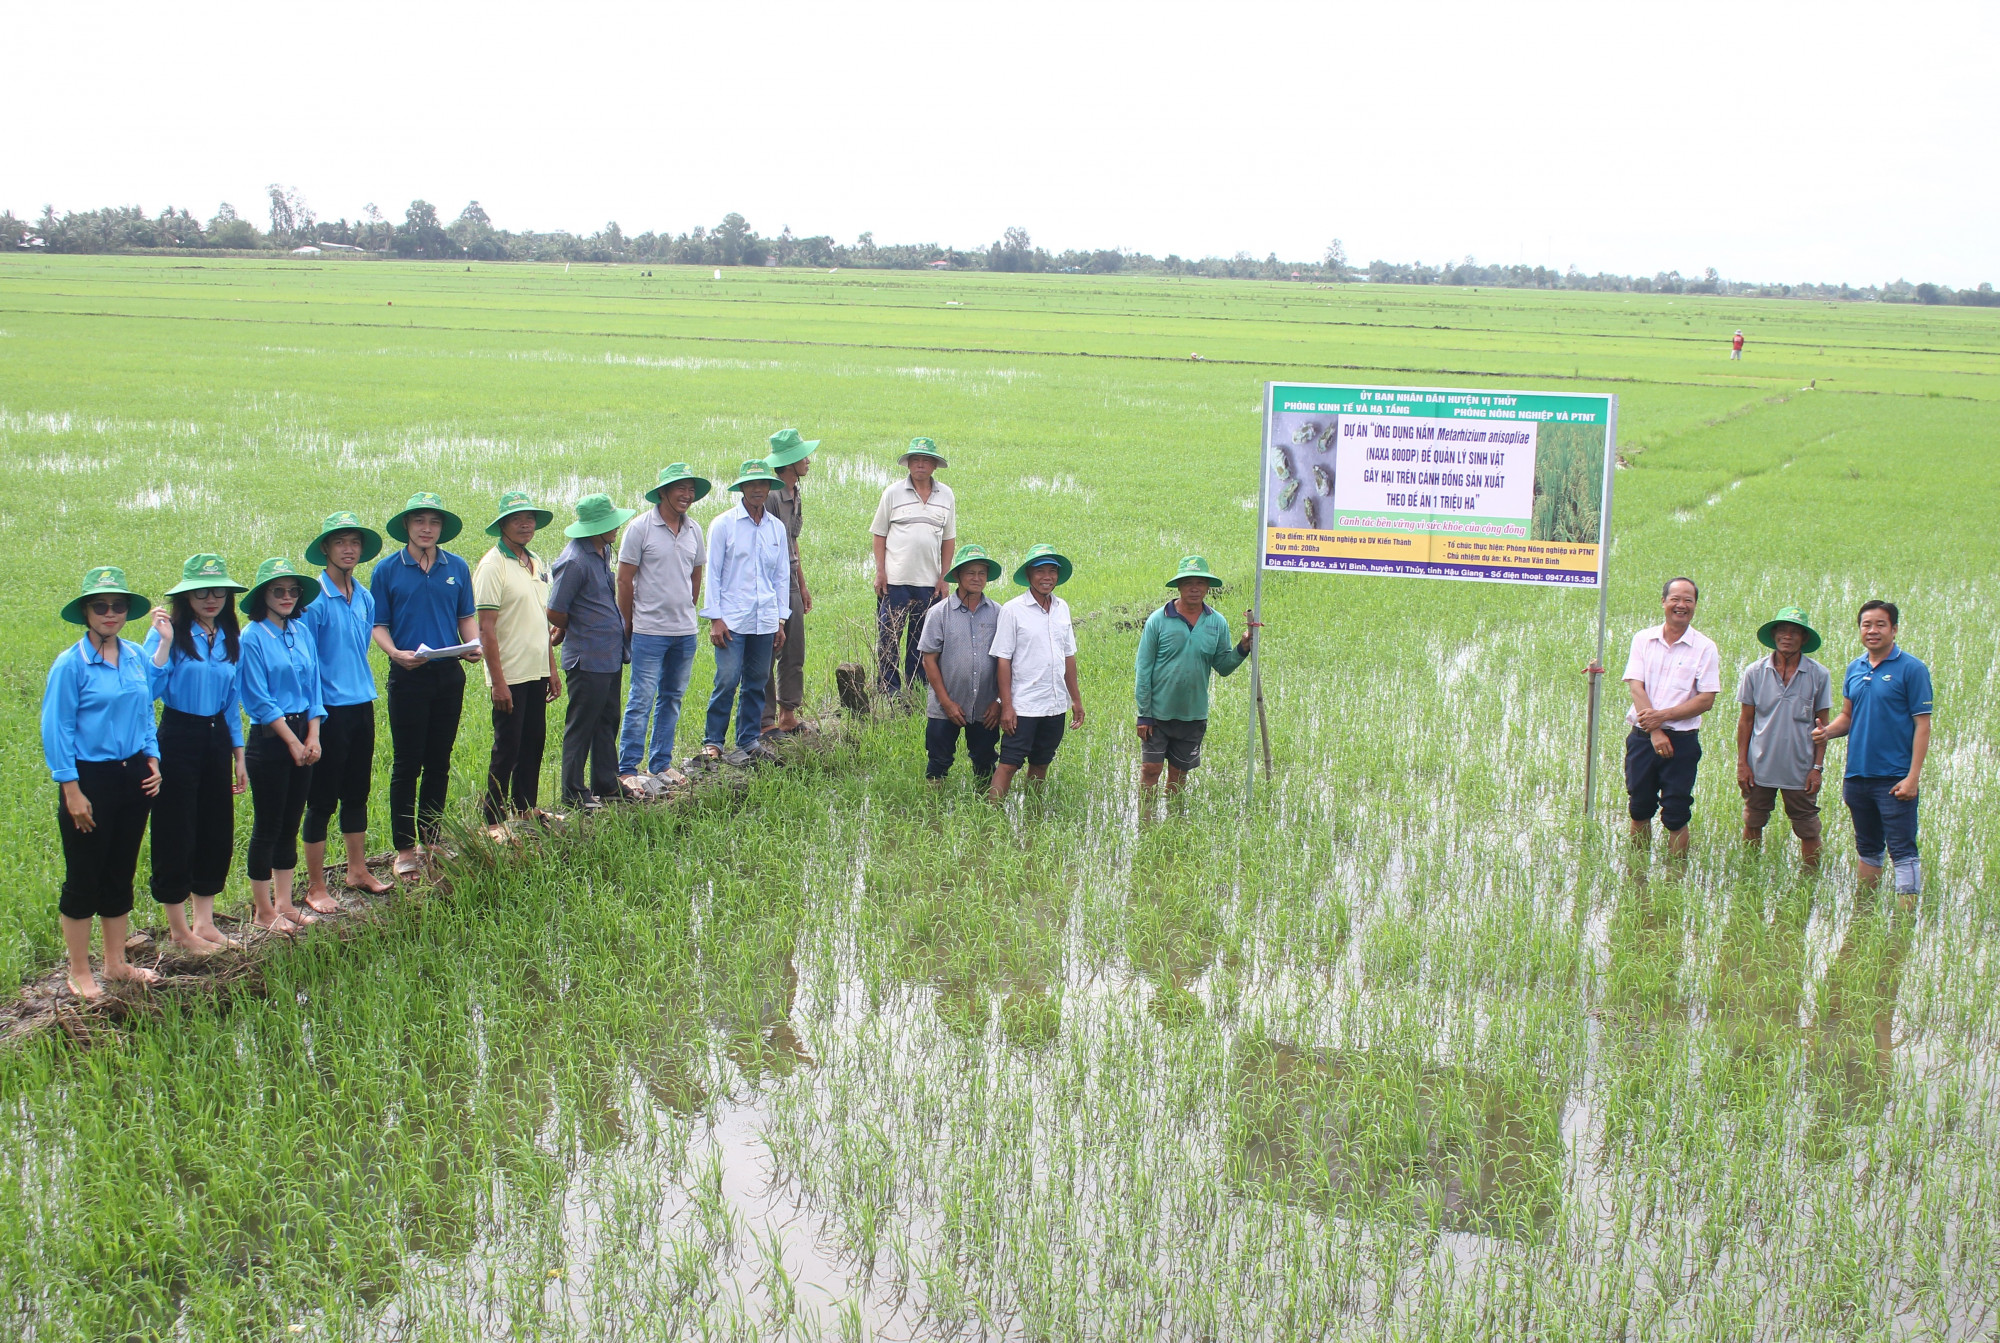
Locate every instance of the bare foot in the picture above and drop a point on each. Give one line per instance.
(133, 974)
(194, 944)
(364, 880)
(296, 915)
(275, 923)
(218, 939)
(86, 988)
(321, 900)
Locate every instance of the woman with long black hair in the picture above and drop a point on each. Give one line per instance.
(104, 755)
(195, 653)
(282, 696)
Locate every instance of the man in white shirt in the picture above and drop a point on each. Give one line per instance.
(916, 533)
(1035, 645)
(749, 589)
(1674, 675)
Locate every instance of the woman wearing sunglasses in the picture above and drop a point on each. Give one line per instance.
(104, 753)
(195, 652)
(282, 696)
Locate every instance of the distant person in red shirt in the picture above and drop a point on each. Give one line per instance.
(1736, 345)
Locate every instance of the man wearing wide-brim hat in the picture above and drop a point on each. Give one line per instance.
(661, 563)
(916, 531)
(1783, 695)
(1035, 644)
(790, 458)
(749, 587)
(1181, 643)
(511, 590)
(590, 630)
(423, 601)
(957, 647)
(342, 625)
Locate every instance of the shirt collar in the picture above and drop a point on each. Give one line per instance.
(92, 654)
(1173, 608)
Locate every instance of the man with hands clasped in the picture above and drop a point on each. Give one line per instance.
(1674, 675)
(957, 647)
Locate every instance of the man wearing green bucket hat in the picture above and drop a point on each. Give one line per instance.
(660, 567)
(1783, 695)
(1182, 642)
(916, 531)
(510, 588)
(103, 752)
(957, 647)
(583, 608)
(790, 458)
(423, 601)
(749, 568)
(1035, 644)
(342, 626)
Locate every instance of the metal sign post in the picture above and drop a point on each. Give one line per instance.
(1596, 668)
(1256, 714)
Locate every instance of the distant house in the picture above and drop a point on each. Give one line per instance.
(942, 263)
(305, 251)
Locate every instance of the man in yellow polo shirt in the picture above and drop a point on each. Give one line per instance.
(510, 589)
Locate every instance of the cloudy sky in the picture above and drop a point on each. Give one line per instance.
(1821, 141)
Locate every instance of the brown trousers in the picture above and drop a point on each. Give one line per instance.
(788, 674)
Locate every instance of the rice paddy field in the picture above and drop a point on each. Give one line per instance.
(1404, 1047)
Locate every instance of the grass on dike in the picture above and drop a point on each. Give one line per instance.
(1403, 1050)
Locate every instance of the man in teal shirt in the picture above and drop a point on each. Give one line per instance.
(1182, 642)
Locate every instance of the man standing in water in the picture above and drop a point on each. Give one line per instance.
(957, 645)
(1673, 674)
(1736, 344)
(1886, 713)
(423, 599)
(1782, 696)
(916, 531)
(790, 459)
(342, 625)
(1036, 647)
(1180, 645)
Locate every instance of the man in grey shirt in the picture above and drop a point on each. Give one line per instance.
(956, 645)
(659, 586)
(1783, 696)
(583, 609)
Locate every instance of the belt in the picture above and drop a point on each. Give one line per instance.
(181, 718)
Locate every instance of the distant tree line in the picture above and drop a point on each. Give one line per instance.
(733, 242)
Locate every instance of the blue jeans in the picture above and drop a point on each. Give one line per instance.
(744, 661)
(1885, 829)
(899, 623)
(661, 664)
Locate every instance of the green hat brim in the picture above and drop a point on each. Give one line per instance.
(137, 606)
(308, 590)
(1764, 635)
(1214, 583)
(807, 447)
(702, 485)
(197, 584)
(937, 457)
(371, 544)
(543, 517)
(453, 524)
(753, 478)
(1060, 561)
(993, 569)
(610, 522)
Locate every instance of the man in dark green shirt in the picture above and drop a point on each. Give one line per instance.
(1183, 641)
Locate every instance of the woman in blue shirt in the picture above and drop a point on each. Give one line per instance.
(194, 654)
(101, 748)
(280, 683)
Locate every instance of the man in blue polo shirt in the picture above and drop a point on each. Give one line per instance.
(1886, 715)
(423, 600)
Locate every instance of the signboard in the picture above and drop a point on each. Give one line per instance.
(1435, 482)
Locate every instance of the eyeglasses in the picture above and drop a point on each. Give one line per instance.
(111, 608)
(285, 590)
(209, 594)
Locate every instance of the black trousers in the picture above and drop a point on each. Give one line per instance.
(1662, 785)
(424, 708)
(98, 867)
(514, 773)
(194, 817)
(345, 770)
(278, 790)
(590, 734)
(982, 744)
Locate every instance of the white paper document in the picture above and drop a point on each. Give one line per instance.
(429, 654)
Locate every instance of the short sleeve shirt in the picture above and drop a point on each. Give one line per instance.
(1672, 672)
(418, 607)
(663, 586)
(520, 593)
(963, 641)
(1781, 747)
(915, 530)
(1036, 642)
(1888, 699)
